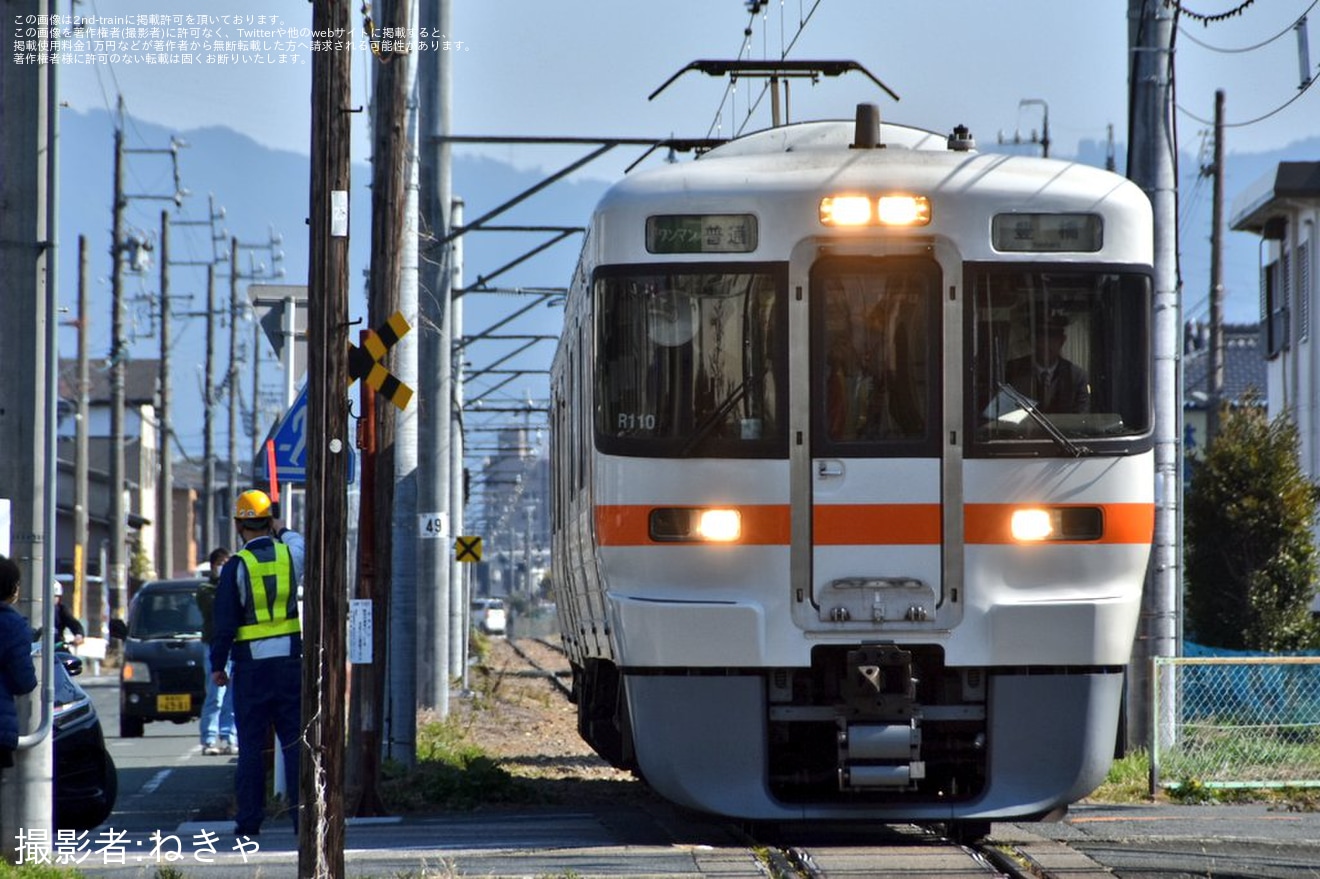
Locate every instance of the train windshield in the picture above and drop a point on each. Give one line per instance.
(1058, 357)
(691, 362)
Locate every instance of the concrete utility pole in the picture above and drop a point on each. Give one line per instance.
(165, 485)
(321, 790)
(458, 593)
(27, 266)
(1151, 166)
(435, 90)
(1216, 371)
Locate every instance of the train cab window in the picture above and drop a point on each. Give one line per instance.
(691, 361)
(875, 355)
(1059, 360)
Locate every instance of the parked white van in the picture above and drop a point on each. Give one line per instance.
(489, 615)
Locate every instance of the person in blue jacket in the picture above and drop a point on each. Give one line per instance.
(17, 673)
(256, 625)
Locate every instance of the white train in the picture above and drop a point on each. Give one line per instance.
(853, 494)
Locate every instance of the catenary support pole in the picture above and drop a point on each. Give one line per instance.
(27, 265)
(458, 597)
(1151, 166)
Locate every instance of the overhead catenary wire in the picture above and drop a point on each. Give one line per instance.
(1252, 48)
(1296, 23)
(744, 47)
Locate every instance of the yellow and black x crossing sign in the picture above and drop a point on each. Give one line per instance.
(467, 549)
(364, 363)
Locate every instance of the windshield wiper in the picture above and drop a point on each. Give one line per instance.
(716, 416)
(1072, 448)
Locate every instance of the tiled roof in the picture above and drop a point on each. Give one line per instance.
(141, 378)
(1244, 367)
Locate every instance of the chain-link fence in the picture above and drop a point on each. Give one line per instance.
(1236, 721)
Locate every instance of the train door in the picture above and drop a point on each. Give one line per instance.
(876, 406)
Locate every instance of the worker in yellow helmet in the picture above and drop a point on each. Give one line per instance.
(256, 625)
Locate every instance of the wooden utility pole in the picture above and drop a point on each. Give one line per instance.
(393, 441)
(92, 607)
(165, 487)
(368, 680)
(321, 791)
(1215, 374)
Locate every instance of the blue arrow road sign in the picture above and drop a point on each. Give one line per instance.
(290, 438)
(291, 442)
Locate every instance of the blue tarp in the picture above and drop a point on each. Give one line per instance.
(1255, 693)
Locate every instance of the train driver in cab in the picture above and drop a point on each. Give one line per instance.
(1052, 381)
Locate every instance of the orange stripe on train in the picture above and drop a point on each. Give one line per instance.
(871, 524)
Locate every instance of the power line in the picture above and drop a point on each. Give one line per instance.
(1303, 90)
(1234, 51)
(1216, 17)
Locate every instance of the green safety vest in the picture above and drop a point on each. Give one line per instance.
(267, 618)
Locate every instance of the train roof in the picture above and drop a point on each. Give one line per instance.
(780, 174)
(828, 135)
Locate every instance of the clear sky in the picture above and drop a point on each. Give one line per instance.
(586, 67)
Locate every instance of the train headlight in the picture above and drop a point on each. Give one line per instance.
(845, 210)
(903, 210)
(1032, 524)
(695, 524)
(886, 210)
(719, 526)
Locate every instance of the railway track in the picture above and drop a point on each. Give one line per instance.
(546, 660)
(788, 851)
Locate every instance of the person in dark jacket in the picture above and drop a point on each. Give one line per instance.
(18, 675)
(256, 625)
(65, 621)
(217, 721)
(1053, 382)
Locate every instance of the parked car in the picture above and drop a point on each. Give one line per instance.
(86, 781)
(490, 615)
(163, 676)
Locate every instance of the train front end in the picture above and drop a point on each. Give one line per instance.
(854, 477)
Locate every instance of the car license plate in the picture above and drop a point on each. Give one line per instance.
(174, 702)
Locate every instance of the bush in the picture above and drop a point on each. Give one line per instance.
(1250, 553)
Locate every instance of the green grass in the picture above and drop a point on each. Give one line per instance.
(450, 773)
(36, 871)
(1129, 782)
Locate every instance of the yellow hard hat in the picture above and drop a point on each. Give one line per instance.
(254, 504)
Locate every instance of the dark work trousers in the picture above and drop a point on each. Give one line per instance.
(267, 692)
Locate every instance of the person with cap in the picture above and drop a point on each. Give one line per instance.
(256, 624)
(217, 720)
(65, 621)
(1050, 380)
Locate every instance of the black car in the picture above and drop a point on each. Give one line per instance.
(86, 782)
(163, 676)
